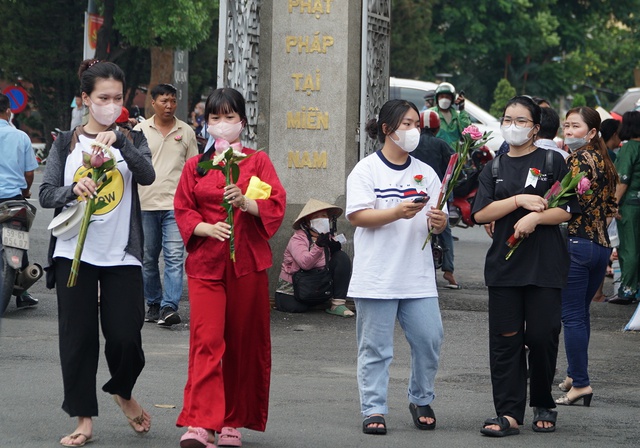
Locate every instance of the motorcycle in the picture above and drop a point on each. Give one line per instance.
(437, 251)
(465, 191)
(16, 218)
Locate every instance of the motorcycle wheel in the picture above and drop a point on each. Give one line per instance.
(7, 279)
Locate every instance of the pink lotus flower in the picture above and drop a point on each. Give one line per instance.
(97, 160)
(221, 145)
(177, 138)
(583, 186)
(473, 132)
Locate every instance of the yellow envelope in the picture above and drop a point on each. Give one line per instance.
(258, 189)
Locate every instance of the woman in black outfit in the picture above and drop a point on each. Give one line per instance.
(525, 290)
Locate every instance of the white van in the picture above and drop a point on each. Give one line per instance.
(414, 91)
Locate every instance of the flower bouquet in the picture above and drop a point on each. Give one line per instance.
(472, 138)
(558, 195)
(96, 166)
(227, 160)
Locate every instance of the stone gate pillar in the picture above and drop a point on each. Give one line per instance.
(299, 65)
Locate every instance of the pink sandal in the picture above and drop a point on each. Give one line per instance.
(229, 437)
(196, 438)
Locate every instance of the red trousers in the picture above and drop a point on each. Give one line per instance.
(229, 353)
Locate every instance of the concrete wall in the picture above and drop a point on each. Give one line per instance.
(309, 91)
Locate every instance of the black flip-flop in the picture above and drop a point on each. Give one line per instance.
(503, 423)
(380, 431)
(544, 415)
(422, 411)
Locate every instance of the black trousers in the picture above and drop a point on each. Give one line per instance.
(121, 315)
(534, 314)
(340, 268)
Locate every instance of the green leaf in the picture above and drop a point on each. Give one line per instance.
(235, 172)
(99, 205)
(106, 182)
(208, 165)
(566, 180)
(108, 165)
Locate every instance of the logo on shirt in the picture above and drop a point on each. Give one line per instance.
(111, 194)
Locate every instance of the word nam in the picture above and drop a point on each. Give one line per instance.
(317, 7)
(308, 119)
(309, 84)
(319, 44)
(302, 159)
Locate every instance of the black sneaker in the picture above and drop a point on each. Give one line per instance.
(153, 313)
(26, 300)
(168, 317)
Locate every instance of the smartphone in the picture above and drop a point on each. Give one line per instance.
(420, 199)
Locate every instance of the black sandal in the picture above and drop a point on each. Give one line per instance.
(377, 430)
(544, 415)
(422, 411)
(503, 423)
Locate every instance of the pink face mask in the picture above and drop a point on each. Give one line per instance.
(227, 131)
(105, 115)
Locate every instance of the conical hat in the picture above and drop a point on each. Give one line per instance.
(312, 206)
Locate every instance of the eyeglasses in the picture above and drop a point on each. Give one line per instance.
(519, 122)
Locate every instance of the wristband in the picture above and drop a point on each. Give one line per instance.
(515, 199)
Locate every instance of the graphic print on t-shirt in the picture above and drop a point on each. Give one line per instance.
(111, 193)
(400, 192)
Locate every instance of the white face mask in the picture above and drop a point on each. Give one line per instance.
(105, 115)
(515, 136)
(408, 140)
(226, 131)
(320, 225)
(574, 143)
(444, 103)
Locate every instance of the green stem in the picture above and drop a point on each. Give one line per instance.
(82, 236)
(513, 249)
(452, 182)
(229, 207)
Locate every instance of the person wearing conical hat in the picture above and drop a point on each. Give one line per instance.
(313, 245)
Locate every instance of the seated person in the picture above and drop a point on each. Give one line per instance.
(314, 231)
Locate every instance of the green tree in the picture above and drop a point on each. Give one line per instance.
(546, 48)
(41, 48)
(503, 93)
(411, 49)
(160, 27)
(203, 64)
(578, 100)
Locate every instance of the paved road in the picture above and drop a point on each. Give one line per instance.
(314, 398)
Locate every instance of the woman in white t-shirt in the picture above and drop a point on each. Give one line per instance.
(392, 275)
(108, 293)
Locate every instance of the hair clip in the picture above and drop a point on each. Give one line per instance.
(93, 63)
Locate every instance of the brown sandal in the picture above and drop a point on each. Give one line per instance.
(139, 420)
(87, 439)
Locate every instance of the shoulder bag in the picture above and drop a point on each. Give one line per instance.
(314, 286)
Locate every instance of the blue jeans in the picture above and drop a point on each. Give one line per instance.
(586, 272)
(161, 233)
(375, 321)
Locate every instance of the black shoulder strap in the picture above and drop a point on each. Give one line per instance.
(495, 165)
(548, 164)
